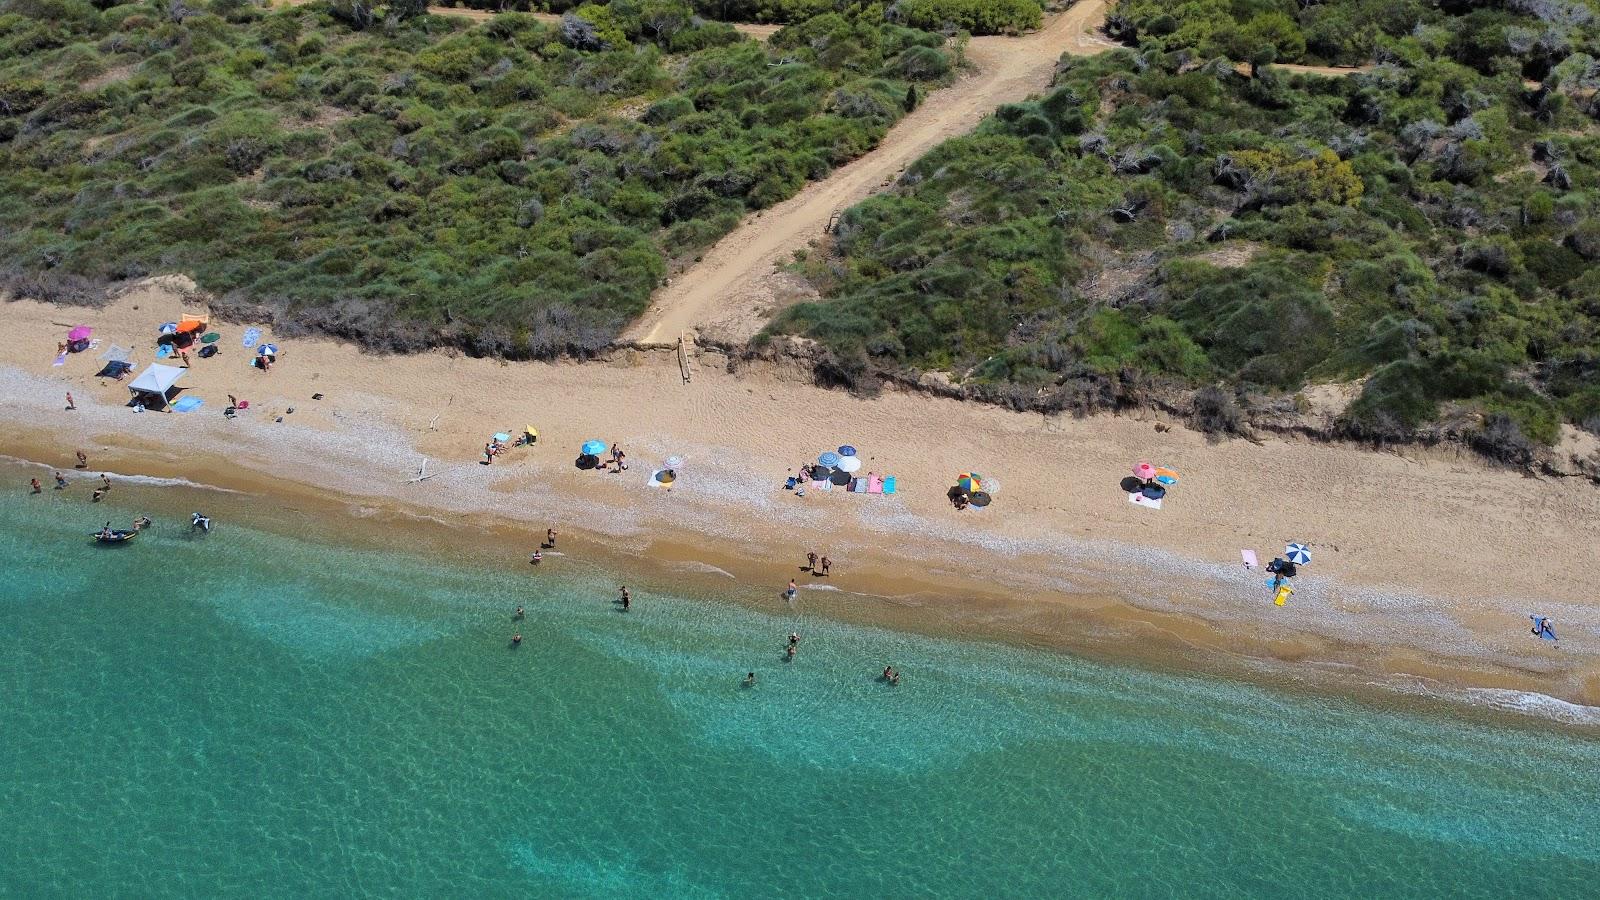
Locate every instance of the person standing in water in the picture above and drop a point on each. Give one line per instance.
(61, 482)
(550, 538)
(536, 557)
(516, 639)
(627, 598)
(105, 481)
(793, 589)
(34, 483)
(750, 680)
(826, 565)
(518, 615)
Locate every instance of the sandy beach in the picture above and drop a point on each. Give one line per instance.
(1426, 564)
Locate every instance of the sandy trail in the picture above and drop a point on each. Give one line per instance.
(730, 291)
(734, 288)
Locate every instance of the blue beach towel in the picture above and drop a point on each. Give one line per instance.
(163, 351)
(1539, 628)
(888, 485)
(188, 404)
(251, 335)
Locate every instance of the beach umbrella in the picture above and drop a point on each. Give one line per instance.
(267, 350)
(593, 448)
(847, 450)
(1299, 554)
(821, 473)
(1144, 471)
(969, 482)
(169, 328)
(981, 499)
(210, 337)
(501, 436)
(674, 462)
(849, 464)
(829, 459)
(664, 476)
(840, 477)
(191, 325)
(81, 333)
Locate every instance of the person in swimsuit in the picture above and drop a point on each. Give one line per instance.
(550, 538)
(516, 639)
(536, 557)
(793, 589)
(518, 615)
(34, 483)
(826, 565)
(627, 598)
(750, 680)
(811, 561)
(61, 482)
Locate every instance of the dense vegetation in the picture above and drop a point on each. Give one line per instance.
(516, 187)
(1161, 220)
(974, 16)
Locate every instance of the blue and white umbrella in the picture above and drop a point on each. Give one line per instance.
(267, 350)
(829, 459)
(169, 328)
(594, 448)
(1299, 554)
(847, 450)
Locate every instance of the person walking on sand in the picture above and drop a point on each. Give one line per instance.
(34, 483)
(83, 461)
(70, 404)
(61, 482)
(811, 561)
(826, 565)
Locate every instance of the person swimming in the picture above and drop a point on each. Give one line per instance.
(789, 653)
(516, 639)
(750, 680)
(518, 615)
(794, 638)
(200, 521)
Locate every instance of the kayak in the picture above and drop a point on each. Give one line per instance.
(113, 537)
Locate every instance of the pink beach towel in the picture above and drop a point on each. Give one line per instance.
(874, 485)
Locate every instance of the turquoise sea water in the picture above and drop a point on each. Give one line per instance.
(248, 714)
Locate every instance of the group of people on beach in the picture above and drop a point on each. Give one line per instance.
(817, 566)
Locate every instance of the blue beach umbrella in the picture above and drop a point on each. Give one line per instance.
(594, 448)
(169, 328)
(1299, 554)
(847, 450)
(829, 459)
(267, 350)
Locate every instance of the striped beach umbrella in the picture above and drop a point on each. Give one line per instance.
(1299, 554)
(829, 459)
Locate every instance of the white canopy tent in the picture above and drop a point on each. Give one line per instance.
(155, 381)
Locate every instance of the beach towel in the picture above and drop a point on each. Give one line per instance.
(251, 335)
(60, 360)
(889, 485)
(1249, 557)
(858, 486)
(874, 485)
(1547, 634)
(163, 351)
(818, 484)
(188, 404)
(1142, 500)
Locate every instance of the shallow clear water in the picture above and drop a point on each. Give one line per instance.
(247, 714)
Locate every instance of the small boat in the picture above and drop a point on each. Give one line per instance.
(114, 536)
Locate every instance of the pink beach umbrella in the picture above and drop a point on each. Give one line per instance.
(1144, 471)
(81, 333)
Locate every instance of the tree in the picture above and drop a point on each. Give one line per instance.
(911, 97)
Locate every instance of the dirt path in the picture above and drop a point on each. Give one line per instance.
(730, 292)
